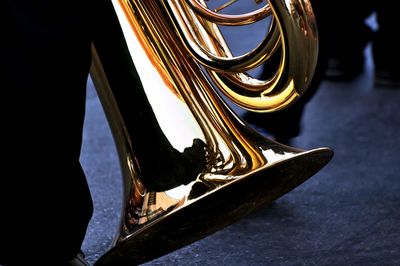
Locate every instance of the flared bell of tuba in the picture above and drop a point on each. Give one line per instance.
(190, 165)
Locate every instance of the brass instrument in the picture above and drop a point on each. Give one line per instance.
(190, 165)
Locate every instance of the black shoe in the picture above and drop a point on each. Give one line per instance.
(284, 140)
(344, 69)
(79, 260)
(280, 126)
(346, 45)
(386, 79)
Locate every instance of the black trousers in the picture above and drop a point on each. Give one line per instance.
(349, 34)
(45, 202)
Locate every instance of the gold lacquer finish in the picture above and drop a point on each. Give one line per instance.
(190, 165)
(293, 31)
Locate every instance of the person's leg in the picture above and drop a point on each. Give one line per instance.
(45, 202)
(385, 50)
(348, 36)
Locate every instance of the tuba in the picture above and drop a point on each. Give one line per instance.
(190, 166)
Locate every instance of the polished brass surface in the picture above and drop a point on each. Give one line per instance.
(190, 165)
(294, 31)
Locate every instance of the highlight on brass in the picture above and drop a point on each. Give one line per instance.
(190, 165)
(292, 32)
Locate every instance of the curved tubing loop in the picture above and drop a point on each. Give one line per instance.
(189, 27)
(294, 21)
(227, 19)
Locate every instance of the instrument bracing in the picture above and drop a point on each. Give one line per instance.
(190, 165)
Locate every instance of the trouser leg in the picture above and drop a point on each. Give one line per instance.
(348, 36)
(45, 203)
(385, 50)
